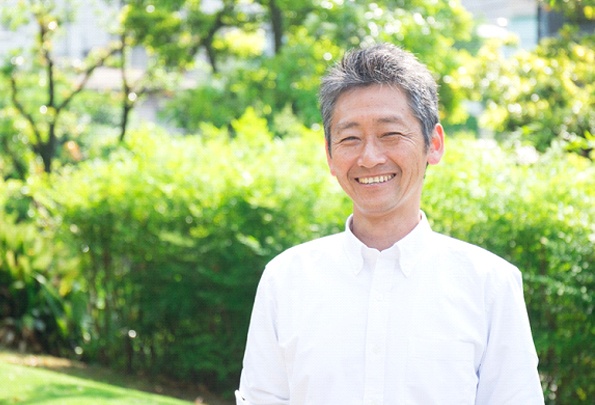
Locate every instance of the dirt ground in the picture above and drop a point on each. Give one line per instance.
(190, 392)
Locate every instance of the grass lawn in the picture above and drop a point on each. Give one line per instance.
(52, 381)
(27, 385)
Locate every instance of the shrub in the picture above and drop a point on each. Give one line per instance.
(539, 97)
(172, 235)
(39, 309)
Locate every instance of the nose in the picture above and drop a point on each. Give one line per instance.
(371, 155)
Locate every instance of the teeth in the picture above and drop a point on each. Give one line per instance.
(375, 180)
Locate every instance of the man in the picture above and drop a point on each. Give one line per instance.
(387, 312)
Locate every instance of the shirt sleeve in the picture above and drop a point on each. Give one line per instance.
(264, 377)
(508, 372)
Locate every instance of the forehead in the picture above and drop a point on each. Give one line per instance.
(372, 105)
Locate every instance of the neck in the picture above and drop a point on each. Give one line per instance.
(383, 232)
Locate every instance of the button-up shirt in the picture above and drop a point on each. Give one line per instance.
(431, 320)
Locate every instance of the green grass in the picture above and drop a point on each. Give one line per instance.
(28, 385)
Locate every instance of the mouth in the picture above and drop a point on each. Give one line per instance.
(375, 179)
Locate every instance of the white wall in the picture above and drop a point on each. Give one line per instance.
(516, 16)
(75, 39)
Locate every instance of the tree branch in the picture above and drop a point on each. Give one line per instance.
(86, 76)
(207, 41)
(17, 104)
(19, 166)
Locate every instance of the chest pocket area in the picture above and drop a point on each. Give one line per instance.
(440, 371)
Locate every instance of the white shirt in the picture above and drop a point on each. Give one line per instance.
(431, 320)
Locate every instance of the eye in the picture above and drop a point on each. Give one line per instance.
(348, 139)
(391, 135)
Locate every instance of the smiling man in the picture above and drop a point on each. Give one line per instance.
(388, 311)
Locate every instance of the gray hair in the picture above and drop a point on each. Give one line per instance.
(382, 64)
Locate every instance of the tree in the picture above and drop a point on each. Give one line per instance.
(574, 10)
(175, 31)
(314, 36)
(47, 109)
(43, 113)
(543, 96)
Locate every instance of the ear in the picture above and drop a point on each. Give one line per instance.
(329, 158)
(436, 149)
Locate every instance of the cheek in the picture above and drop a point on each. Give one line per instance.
(329, 161)
(339, 163)
(332, 165)
(332, 170)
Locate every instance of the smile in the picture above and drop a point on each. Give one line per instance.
(375, 179)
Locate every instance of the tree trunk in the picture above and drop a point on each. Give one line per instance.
(126, 109)
(277, 25)
(47, 149)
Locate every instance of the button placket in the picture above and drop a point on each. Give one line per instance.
(376, 330)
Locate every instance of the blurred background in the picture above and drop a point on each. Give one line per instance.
(154, 155)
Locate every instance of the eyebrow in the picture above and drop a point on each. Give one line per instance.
(392, 119)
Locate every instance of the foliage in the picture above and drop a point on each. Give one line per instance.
(15, 156)
(189, 109)
(575, 11)
(538, 213)
(42, 118)
(246, 72)
(288, 80)
(540, 96)
(41, 309)
(290, 77)
(172, 235)
(408, 24)
(46, 110)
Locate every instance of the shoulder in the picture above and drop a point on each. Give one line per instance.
(466, 251)
(475, 259)
(307, 256)
(303, 269)
(477, 270)
(311, 251)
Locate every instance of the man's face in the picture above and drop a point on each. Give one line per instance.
(377, 151)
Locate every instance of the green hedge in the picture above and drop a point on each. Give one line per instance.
(169, 236)
(36, 314)
(173, 233)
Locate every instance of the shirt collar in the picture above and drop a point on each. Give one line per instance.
(406, 251)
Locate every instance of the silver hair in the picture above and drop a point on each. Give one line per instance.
(382, 64)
